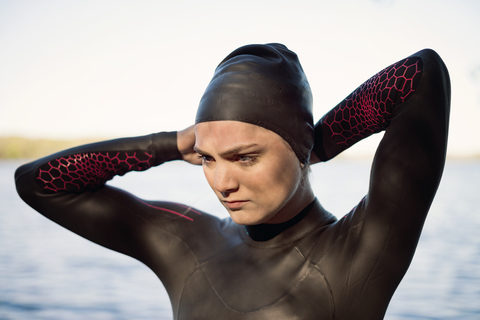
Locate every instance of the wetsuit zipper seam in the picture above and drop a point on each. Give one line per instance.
(328, 286)
(250, 312)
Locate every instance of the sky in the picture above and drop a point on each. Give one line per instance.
(83, 69)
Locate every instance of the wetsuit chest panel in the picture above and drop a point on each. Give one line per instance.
(247, 278)
(307, 299)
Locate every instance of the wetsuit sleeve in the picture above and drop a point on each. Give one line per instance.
(370, 108)
(70, 188)
(410, 100)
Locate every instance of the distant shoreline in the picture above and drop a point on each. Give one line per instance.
(27, 148)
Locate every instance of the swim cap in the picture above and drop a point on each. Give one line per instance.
(263, 85)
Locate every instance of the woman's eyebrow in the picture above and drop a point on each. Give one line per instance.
(233, 150)
(238, 149)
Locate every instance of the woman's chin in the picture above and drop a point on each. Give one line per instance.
(242, 217)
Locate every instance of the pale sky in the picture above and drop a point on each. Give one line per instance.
(75, 69)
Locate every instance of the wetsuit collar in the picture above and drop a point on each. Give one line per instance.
(283, 233)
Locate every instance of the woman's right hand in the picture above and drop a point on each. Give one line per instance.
(185, 144)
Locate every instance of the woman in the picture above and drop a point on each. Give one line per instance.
(281, 255)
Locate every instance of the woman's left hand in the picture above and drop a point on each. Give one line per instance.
(185, 144)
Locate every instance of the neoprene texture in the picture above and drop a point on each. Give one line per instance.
(263, 84)
(313, 267)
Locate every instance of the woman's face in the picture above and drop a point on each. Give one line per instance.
(253, 171)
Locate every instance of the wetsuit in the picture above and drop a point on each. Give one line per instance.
(313, 267)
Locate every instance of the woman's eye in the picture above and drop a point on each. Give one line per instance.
(246, 159)
(205, 158)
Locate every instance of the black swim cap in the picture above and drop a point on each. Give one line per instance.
(263, 85)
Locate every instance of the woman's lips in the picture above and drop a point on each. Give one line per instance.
(235, 204)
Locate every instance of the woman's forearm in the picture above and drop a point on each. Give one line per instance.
(368, 109)
(92, 165)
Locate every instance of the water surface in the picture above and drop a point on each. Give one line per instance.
(47, 272)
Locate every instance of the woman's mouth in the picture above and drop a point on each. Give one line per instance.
(235, 205)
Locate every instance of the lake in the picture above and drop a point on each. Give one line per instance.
(47, 272)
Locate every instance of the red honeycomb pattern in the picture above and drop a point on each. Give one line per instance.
(75, 173)
(369, 108)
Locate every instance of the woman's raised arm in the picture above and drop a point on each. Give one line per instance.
(69, 188)
(410, 100)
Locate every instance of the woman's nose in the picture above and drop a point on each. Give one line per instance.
(225, 181)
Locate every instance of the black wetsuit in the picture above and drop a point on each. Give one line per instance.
(313, 267)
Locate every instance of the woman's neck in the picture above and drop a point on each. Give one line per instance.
(267, 231)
